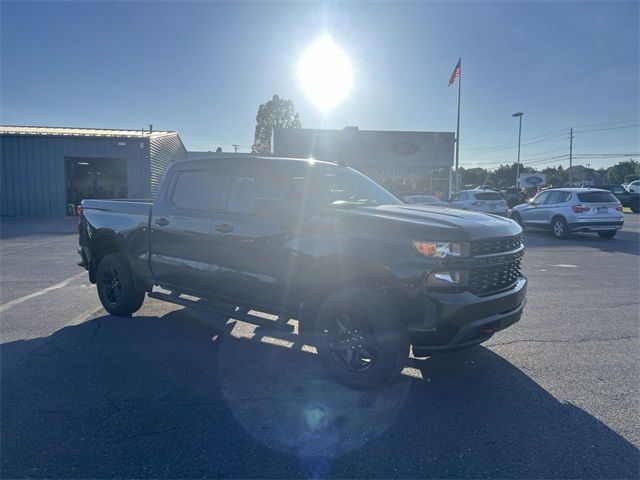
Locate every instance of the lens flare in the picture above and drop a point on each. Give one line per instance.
(324, 71)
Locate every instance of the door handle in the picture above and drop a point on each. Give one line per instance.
(224, 228)
(163, 222)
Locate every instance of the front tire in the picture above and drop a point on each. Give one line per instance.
(608, 234)
(559, 228)
(635, 207)
(360, 339)
(117, 287)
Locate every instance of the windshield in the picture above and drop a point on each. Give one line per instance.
(334, 186)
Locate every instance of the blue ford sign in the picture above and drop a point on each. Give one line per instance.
(533, 179)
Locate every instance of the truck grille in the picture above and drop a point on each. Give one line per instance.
(496, 245)
(488, 280)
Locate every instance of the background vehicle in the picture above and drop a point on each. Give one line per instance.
(485, 201)
(626, 198)
(423, 200)
(513, 196)
(364, 274)
(634, 186)
(567, 210)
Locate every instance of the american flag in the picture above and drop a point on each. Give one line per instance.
(455, 74)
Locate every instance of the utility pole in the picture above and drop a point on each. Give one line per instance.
(570, 156)
(518, 115)
(235, 147)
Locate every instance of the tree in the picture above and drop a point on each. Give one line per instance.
(620, 172)
(472, 176)
(277, 112)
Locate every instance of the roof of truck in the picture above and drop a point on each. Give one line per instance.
(251, 158)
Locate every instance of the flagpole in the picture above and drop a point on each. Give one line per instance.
(458, 125)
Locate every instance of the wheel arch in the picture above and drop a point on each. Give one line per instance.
(104, 242)
(350, 273)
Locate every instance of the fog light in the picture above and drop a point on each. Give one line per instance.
(447, 279)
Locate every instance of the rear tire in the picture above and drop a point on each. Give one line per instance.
(360, 339)
(635, 207)
(117, 287)
(608, 234)
(559, 228)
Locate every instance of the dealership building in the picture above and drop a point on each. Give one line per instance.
(47, 171)
(403, 162)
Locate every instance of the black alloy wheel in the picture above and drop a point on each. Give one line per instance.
(360, 338)
(117, 288)
(111, 286)
(351, 343)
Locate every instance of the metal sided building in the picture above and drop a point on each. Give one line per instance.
(403, 162)
(47, 171)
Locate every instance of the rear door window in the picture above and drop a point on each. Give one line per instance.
(488, 196)
(597, 197)
(553, 198)
(199, 190)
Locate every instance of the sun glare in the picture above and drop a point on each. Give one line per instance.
(324, 71)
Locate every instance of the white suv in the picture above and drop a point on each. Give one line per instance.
(634, 186)
(566, 210)
(479, 200)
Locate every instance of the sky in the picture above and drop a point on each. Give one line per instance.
(202, 68)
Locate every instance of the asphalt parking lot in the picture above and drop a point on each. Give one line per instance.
(167, 394)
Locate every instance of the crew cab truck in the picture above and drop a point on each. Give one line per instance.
(364, 274)
(626, 198)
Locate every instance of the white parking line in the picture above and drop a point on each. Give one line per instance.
(20, 300)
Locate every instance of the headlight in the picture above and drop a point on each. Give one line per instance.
(441, 249)
(448, 279)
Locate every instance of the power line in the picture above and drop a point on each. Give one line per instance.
(607, 123)
(610, 128)
(529, 141)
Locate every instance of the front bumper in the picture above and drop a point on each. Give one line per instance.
(457, 320)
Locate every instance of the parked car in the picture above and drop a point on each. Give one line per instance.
(513, 196)
(626, 198)
(634, 186)
(479, 200)
(364, 274)
(567, 210)
(423, 200)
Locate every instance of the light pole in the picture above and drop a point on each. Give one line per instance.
(519, 115)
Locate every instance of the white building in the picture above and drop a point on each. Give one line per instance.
(403, 162)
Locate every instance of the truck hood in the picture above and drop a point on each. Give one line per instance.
(436, 222)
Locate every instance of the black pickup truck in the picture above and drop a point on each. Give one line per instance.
(626, 198)
(364, 274)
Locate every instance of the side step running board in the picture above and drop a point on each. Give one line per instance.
(228, 310)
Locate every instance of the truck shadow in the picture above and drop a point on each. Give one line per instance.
(177, 397)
